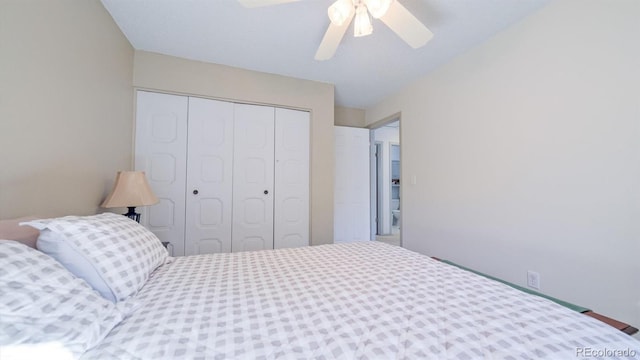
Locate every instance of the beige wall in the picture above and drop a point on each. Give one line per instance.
(65, 106)
(345, 116)
(526, 155)
(175, 75)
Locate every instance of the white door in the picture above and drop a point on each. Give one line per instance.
(253, 178)
(160, 151)
(209, 177)
(351, 194)
(291, 210)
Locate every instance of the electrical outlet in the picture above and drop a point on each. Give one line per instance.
(533, 280)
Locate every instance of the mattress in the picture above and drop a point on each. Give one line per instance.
(363, 300)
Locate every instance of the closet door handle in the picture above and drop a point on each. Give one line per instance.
(266, 192)
(195, 192)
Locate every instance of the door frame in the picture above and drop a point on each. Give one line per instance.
(391, 145)
(374, 176)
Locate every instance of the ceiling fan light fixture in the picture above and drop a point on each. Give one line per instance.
(362, 25)
(340, 11)
(378, 8)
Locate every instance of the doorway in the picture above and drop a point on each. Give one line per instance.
(385, 176)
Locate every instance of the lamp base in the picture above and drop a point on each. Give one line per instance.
(132, 214)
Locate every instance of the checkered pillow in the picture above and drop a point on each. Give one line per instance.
(44, 305)
(113, 253)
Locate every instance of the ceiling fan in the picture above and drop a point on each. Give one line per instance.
(342, 12)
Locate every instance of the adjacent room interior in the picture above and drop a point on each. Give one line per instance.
(385, 183)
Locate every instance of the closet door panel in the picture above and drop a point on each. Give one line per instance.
(160, 151)
(209, 177)
(253, 178)
(291, 210)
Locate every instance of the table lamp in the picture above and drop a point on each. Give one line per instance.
(131, 189)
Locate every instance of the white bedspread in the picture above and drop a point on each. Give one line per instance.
(350, 301)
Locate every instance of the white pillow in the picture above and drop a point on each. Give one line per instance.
(43, 304)
(113, 253)
(58, 247)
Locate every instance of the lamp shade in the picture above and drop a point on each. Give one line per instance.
(362, 26)
(131, 189)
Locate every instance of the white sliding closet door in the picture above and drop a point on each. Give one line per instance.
(161, 141)
(230, 177)
(253, 178)
(291, 214)
(209, 177)
(351, 197)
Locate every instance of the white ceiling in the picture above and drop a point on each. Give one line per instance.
(283, 39)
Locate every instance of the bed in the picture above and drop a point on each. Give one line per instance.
(364, 300)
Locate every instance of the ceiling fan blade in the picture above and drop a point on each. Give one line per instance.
(258, 3)
(407, 26)
(332, 39)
